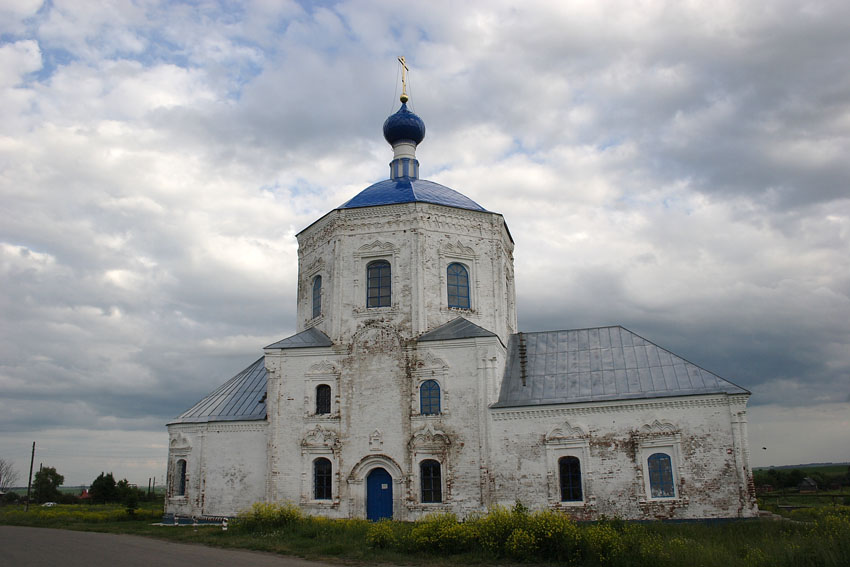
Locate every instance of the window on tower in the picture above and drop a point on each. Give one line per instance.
(378, 284)
(317, 296)
(457, 282)
(429, 398)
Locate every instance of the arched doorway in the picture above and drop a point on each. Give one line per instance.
(379, 495)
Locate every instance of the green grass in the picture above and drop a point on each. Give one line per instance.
(503, 537)
(77, 516)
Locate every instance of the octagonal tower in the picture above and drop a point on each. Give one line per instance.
(406, 252)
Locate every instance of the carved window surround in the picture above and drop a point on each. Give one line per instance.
(568, 441)
(316, 268)
(432, 444)
(429, 367)
(367, 253)
(660, 437)
(457, 252)
(319, 442)
(322, 373)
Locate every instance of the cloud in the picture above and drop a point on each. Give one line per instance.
(675, 168)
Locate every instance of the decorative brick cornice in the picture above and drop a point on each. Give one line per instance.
(218, 426)
(587, 408)
(229, 427)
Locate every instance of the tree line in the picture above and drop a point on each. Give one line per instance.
(780, 478)
(46, 482)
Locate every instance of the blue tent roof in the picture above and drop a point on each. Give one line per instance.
(408, 190)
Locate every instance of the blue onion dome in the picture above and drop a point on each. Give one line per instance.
(404, 125)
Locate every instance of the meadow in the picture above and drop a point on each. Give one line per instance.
(503, 537)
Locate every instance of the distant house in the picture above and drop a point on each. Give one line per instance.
(807, 485)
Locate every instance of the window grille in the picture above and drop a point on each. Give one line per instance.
(661, 476)
(322, 479)
(323, 399)
(430, 473)
(378, 284)
(457, 281)
(569, 471)
(317, 296)
(429, 398)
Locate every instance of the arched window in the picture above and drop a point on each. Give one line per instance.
(432, 490)
(322, 479)
(660, 476)
(569, 471)
(180, 477)
(378, 284)
(323, 399)
(457, 282)
(317, 296)
(429, 398)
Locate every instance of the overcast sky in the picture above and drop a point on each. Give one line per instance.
(679, 168)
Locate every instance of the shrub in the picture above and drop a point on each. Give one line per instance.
(442, 533)
(381, 535)
(602, 543)
(10, 498)
(494, 529)
(266, 518)
(521, 545)
(556, 536)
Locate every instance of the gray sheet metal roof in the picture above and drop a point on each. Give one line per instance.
(242, 398)
(311, 337)
(599, 364)
(458, 328)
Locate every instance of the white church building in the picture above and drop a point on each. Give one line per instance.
(408, 388)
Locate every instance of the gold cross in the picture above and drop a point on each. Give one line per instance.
(404, 98)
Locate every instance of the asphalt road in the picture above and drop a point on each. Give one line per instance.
(43, 547)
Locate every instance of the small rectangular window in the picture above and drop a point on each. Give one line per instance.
(378, 284)
(661, 476)
(322, 479)
(432, 490)
(323, 399)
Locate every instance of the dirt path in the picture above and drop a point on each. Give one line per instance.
(44, 547)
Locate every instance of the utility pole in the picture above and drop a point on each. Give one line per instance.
(29, 482)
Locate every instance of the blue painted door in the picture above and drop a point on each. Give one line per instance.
(379, 495)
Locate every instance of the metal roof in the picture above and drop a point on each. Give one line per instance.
(242, 398)
(458, 328)
(308, 338)
(598, 364)
(409, 190)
